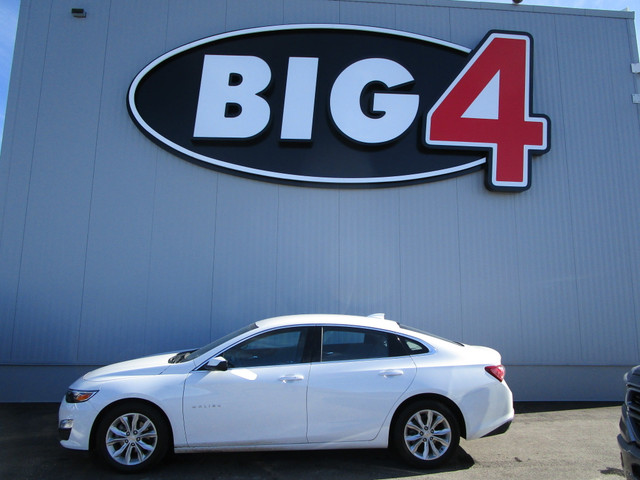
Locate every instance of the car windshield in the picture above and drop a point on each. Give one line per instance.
(215, 343)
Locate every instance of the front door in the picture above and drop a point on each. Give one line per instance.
(259, 400)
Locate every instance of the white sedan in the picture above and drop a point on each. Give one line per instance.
(298, 382)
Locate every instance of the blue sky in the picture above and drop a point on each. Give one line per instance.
(9, 17)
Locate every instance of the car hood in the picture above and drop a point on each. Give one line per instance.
(152, 365)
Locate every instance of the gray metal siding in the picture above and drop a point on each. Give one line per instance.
(18, 141)
(308, 250)
(369, 252)
(111, 247)
(116, 273)
(59, 192)
(596, 162)
(430, 257)
(244, 273)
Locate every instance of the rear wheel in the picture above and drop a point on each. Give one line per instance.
(426, 434)
(132, 437)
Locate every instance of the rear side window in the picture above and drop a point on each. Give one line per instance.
(344, 343)
(413, 347)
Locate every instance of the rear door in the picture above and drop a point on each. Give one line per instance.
(361, 374)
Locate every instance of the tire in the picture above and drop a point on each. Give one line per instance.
(426, 434)
(132, 437)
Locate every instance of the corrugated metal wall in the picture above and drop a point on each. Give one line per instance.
(111, 247)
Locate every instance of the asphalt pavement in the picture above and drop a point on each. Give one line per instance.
(546, 441)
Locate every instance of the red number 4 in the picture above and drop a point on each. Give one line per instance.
(487, 107)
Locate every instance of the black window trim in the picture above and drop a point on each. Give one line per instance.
(312, 352)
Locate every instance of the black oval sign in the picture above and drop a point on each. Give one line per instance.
(330, 104)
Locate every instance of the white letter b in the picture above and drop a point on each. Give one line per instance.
(232, 81)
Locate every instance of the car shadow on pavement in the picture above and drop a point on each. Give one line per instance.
(29, 448)
(294, 465)
(310, 465)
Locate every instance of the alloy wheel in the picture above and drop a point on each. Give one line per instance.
(427, 435)
(131, 439)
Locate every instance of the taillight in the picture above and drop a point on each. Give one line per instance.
(496, 371)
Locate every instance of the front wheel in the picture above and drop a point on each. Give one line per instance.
(132, 437)
(426, 434)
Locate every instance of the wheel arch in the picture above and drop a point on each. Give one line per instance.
(450, 404)
(107, 408)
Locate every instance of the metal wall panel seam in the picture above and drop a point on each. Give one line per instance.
(460, 272)
(7, 167)
(400, 312)
(617, 157)
(520, 267)
(593, 187)
(95, 154)
(274, 308)
(145, 340)
(8, 132)
(213, 256)
(63, 167)
(156, 155)
(570, 196)
(631, 241)
(572, 210)
(28, 190)
(122, 201)
(340, 283)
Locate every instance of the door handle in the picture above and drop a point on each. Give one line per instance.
(291, 378)
(391, 373)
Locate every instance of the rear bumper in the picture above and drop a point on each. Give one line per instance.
(500, 430)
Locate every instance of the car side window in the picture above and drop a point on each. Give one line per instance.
(281, 347)
(343, 343)
(413, 347)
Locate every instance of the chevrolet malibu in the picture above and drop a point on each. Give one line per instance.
(298, 383)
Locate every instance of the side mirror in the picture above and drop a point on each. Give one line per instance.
(216, 364)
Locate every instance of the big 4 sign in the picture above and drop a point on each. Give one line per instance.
(488, 106)
(346, 105)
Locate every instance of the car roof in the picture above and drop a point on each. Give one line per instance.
(330, 319)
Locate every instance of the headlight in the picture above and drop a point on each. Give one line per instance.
(79, 396)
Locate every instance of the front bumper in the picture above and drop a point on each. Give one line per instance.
(64, 432)
(630, 458)
(74, 424)
(628, 443)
